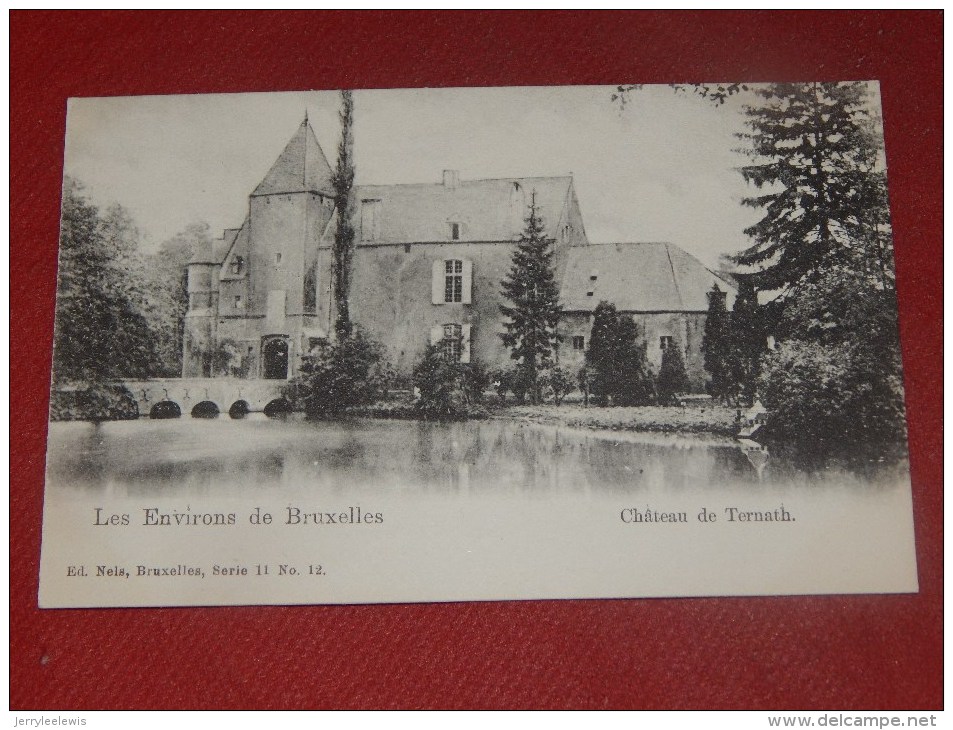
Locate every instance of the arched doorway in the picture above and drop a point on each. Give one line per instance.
(274, 354)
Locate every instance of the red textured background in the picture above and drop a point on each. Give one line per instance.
(842, 652)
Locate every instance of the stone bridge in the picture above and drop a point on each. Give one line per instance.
(207, 397)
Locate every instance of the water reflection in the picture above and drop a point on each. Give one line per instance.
(225, 456)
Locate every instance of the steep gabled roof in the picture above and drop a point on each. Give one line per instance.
(638, 277)
(486, 210)
(301, 167)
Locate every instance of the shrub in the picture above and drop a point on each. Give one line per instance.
(584, 379)
(832, 397)
(348, 373)
(448, 389)
(229, 360)
(93, 403)
(512, 380)
(500, 379)
(559, 382)
(476, 381)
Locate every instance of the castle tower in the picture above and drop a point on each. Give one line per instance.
(199, 336)
(265, 277)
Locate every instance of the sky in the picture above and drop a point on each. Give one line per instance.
(664, 168)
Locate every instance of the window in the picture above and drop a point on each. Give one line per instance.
(452, 342)
(590, 292)
(370, 220)
(238, 302)
(406, 248)
(578, 342)
(237, 264)
(453, 281)
(277, 258)
(454, 231)
(665, 341)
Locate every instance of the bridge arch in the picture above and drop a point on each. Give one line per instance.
(165, 409)
(205, 409)
(239, 409)
(277, 408)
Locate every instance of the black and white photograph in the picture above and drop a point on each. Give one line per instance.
(459, 344)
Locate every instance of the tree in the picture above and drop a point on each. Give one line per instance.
(825, 243)
(672, 378)
(814, 155)
(168, 286)
(343, 248)
(448, 389)
(746, 344)
(716, 345)
(533, 311)
(632, 382)
(560, 382)
(716, 93)
(833, 398)
(836, 382)
(347, 373)
(601, 353)
(101, 330)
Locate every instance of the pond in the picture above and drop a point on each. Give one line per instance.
(386, 510)
(256, 455)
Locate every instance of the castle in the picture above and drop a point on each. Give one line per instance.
(428, 262)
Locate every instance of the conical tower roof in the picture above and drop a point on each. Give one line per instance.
(301, 167)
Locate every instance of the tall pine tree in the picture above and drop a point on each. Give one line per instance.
(814, 155)
(824, 242)
(532, 312)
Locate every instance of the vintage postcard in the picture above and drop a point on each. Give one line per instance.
(476, 344)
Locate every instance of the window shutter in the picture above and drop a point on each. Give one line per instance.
(467, 282)
(436, 334)
(437, 282)
(465, 344)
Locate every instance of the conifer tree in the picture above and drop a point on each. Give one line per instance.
(746, 345)
(813, 152)
(532, 312)
(632, 384)
(672, 378)
(601, 355)
(716, 345)
(342, 180)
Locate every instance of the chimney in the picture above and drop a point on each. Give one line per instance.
(451, 178)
